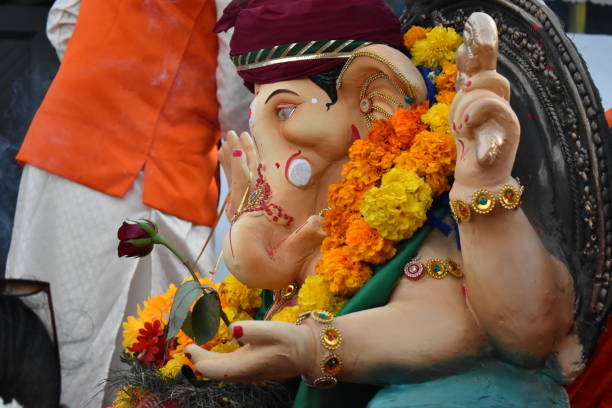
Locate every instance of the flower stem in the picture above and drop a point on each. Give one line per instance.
(159, 240)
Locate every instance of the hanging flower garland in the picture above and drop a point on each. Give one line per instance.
(392, 175)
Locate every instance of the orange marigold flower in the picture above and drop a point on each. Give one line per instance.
(446, 80)
(344, 194)
(331, 242)
(446, 97)
(363, 173)
(407, 124)
(369, 160)
(431, 156)
(367, 244)
(381, 131)
(337, 220)
(415, 33)
(344, 274)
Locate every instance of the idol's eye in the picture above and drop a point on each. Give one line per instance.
(285, 111)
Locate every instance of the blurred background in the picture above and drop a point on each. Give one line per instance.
(28, 64)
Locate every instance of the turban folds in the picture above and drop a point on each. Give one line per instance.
(278, 40)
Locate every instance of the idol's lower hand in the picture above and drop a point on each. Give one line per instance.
(271, 351)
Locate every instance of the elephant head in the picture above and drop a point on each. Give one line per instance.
(301, 131)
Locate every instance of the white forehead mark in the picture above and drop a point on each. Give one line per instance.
(314, 101)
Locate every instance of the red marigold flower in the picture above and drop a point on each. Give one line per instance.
(151, 344)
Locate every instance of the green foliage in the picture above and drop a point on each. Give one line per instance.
(205, 317)
(186, 294)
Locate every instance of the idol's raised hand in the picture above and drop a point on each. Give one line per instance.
(239, 160)
(484, 125)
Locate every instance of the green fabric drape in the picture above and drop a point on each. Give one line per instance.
(375, 293)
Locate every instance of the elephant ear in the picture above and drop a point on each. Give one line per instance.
(378, 79)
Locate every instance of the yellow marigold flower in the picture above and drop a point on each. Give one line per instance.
(123, 398)
(239, 295)
(367, 244)
(431, 156)
(437, 118)
(399, 206)
(154, 308)
(130, 331)
(437, 48)
(225, 347)
(315, 294)
(288, 314)
(174, 365)
(413, 34)
(344, 274)
(182, 341)
(158, 307)
(407, 124)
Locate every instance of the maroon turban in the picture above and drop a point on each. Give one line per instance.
(279, 40)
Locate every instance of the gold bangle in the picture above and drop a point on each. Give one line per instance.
(331, 339)
(484, 201)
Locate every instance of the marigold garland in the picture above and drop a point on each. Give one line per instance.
(392, 175)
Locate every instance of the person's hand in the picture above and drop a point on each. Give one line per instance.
(271, 351)
(239, 160)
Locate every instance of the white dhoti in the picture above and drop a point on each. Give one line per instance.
(66, 234)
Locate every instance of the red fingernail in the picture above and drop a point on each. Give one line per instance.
(468, 83)
(188, 355)
(467, 118)
(237, 153)
(237, 332)
(460, 126)
(454, 126)
(199, 374)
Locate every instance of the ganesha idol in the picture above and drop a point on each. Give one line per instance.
(417, 297)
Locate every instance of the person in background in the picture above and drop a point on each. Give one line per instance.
(128, 130)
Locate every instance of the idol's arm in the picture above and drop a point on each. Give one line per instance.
(423, 330)
(521, 295)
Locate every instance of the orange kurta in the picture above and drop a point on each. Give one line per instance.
(136, 90)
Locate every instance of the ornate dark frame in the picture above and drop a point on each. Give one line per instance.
(565, 142)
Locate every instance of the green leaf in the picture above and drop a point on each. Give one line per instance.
(186, 294)
(187, 326)
(205, 317)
